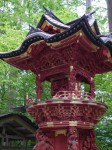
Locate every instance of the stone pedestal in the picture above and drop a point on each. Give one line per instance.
(66, 124)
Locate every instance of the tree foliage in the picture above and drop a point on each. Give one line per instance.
(15, 84)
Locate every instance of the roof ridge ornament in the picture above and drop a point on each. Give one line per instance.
(90, 14)
(46, 9)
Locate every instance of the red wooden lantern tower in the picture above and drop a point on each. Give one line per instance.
(66, 55)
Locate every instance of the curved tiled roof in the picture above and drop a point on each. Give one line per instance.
(23, 117)
(52, 21)
(39, 35)
(83, 24)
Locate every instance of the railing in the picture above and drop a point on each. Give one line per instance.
(73, 95)
(68, 95)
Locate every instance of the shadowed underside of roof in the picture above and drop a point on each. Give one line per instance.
(17, 126)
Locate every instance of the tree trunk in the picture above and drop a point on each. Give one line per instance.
(109, 13)
(88, 6)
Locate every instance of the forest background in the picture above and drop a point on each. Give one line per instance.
(15, 84)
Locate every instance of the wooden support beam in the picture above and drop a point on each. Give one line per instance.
(12, 137)
(20, 128)
(16, 132)
(30, 135)
(6, 120)
(25, 124)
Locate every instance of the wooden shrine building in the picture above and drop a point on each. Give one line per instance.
(16, 132)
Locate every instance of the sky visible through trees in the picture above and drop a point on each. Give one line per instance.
(15, 17)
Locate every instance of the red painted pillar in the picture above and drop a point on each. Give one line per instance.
(61, 142)
(73, 138)
(38, 87)
(72, 79)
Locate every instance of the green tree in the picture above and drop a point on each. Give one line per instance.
(15, 17)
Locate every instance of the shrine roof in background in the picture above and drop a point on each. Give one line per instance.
(17, 125)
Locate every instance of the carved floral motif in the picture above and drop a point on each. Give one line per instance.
(89, 142)
(69, 112)
(44, 142)
(72, 138)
